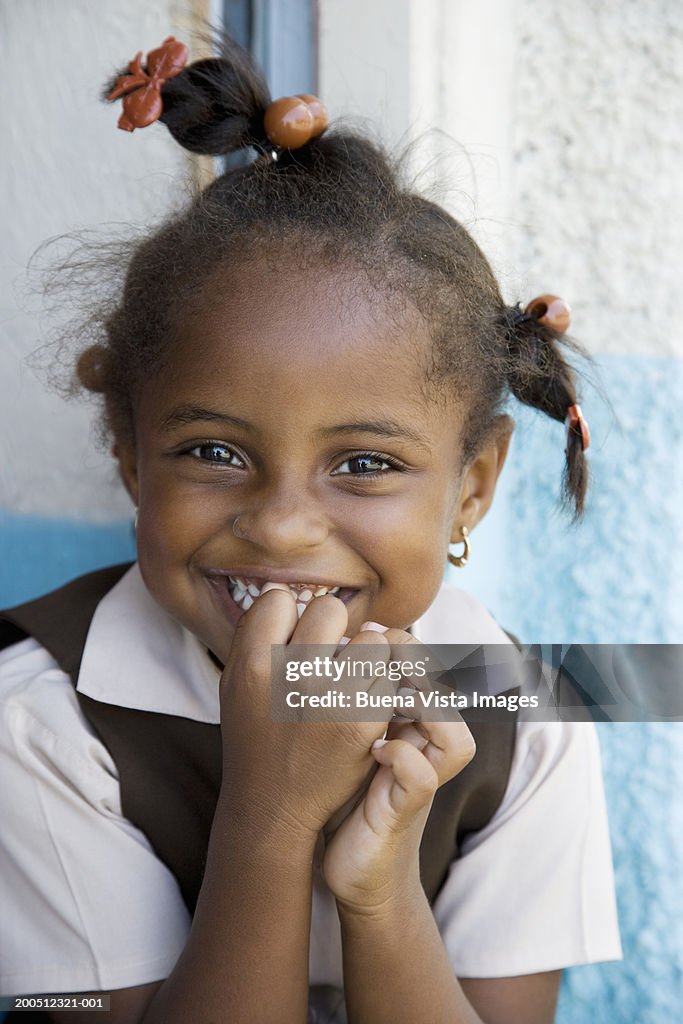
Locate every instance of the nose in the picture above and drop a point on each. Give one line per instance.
(282, 521)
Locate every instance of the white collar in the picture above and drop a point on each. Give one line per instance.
(137, 656)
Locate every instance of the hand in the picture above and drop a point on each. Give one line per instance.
(289, 775)
(374, 854)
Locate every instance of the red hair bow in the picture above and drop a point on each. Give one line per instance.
(141, 88)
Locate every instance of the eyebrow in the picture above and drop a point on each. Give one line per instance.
(195, 413)
(380, 428)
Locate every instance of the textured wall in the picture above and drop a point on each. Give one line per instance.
(644, 781)
(66, 167)
(598, 143)
(598, 139)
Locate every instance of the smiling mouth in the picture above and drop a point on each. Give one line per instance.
(244, 592)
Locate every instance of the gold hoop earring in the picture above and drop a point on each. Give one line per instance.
(461, 560)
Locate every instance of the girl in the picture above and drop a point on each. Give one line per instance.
(304, 378)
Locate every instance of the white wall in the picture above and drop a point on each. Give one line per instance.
(438, 71)
(598, 136)
(66, 166)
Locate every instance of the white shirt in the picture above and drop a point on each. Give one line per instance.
(85, 904)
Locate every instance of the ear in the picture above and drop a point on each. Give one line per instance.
(481, 476)
(128, 469)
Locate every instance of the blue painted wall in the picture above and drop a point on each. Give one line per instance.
(644, 780)
(38, 554)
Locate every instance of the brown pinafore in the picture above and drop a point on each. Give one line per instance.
(170, 767)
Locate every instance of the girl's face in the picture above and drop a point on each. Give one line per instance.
(291, 438)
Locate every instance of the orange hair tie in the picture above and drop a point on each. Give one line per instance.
(141, 88)
(554, 312)
(292, 121)
(578, 425)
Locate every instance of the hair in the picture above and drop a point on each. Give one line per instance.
(338, 202)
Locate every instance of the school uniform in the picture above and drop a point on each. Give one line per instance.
(90, 902)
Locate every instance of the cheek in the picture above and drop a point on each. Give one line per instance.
(415, 525)
(408, 552)
(419, 576)
(175, 519)
(407, 594)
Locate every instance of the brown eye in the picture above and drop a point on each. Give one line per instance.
(219, 454)
(366, 464)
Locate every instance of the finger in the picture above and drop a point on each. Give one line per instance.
(363, 653)
(420, 665)
(406, 731)
(410, 652)
(271, 619)
(414, 779)
(322, 622)
(395, 637)
(369, 636)
(401, 638)
(449, 747)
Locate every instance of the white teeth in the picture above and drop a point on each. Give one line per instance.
(244, 593)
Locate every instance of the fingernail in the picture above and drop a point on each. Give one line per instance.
(274, 586)
(374, 626)
(344, 641)
(378, 743)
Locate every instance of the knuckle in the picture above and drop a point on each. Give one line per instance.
(457, 752)
(464, 750)
(469, 747)
(401, 636)
(370, 638)
(426, 782)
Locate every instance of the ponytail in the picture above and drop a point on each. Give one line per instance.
(539, 376)
(217, 105)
